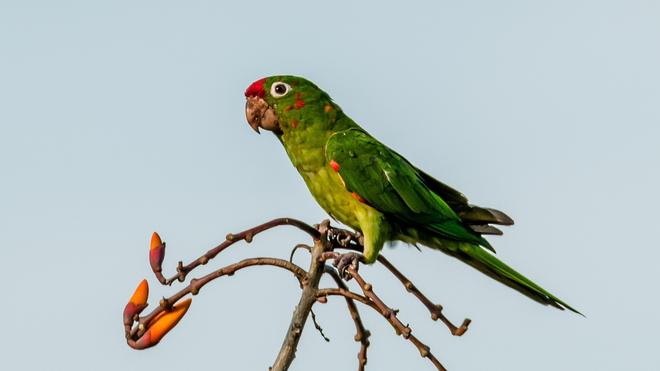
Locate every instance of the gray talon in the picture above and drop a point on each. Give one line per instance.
(345, 261)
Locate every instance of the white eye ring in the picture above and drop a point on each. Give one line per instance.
(279, 89)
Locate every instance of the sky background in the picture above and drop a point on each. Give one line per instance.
(120, 118)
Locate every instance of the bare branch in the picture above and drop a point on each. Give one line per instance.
(391, 316)
(318, 327)
(353, 241)
(150, 328)
(299, 246)
(321, 293)
(435, 309)
(307, 299)
(361, 333)
(197, 284)
(247, 235)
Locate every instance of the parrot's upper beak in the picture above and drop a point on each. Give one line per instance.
(260, 115)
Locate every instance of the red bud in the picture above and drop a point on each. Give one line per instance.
(156, 253)
(162, 324)
(136, 303)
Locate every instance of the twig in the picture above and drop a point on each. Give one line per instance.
(351, 241)
(299, 246)
(361, 334)
(435, 309)
(247, 235)
(391, 316)
(322, 293)
(196, 284)
(317, 326)
(387, 312)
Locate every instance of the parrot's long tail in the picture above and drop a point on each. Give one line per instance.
(487, 263)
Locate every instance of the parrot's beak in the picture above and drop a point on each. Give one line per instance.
(260, 115)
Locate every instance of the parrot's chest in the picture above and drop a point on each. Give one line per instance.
(324, 183)
(329, 191)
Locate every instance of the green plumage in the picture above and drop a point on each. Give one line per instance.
(371, 188)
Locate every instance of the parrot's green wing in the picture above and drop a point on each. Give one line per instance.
(390, 184)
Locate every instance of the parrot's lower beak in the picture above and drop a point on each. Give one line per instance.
(260, 115)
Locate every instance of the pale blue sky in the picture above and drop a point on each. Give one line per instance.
(119, 118)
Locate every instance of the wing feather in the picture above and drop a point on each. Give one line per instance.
(389, 183)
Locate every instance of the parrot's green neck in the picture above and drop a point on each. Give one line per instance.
(305, 130)
(304, 134)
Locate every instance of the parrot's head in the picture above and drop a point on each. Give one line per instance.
(279, 103)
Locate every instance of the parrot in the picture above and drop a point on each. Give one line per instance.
(369, 187)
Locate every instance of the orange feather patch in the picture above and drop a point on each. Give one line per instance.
(334, 165)
(358, 197)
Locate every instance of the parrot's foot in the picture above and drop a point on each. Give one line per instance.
(345, 261)
(344, 237)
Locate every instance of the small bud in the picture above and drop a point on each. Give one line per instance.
(162, 324)
(407, 332)
(137, 302)
(155, 241)
(156, 253)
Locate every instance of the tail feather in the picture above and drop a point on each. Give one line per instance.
(487, 263)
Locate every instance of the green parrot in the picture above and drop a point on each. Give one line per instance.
(369, 187)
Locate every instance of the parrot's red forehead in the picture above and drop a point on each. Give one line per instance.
(256, 89)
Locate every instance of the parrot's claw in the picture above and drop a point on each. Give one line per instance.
(344, 237)
(345, 261)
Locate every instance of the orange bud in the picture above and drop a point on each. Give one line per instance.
(156, 253)
(137, 302)
(162, 324)
(155, 241)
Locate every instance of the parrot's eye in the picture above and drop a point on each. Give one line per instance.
(279, 89)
